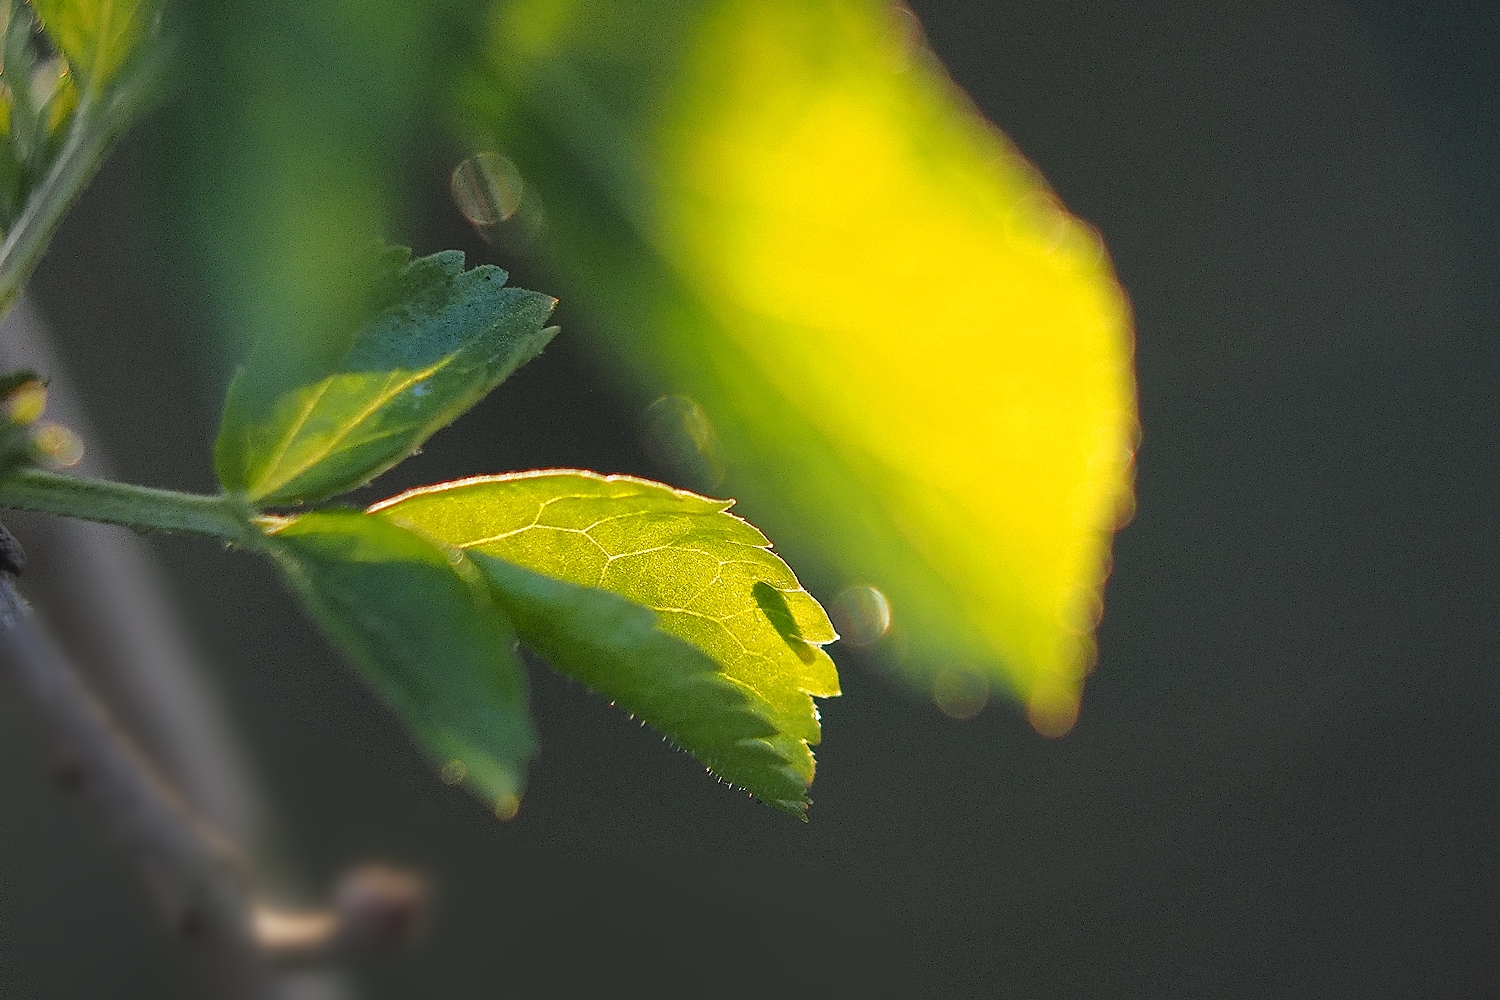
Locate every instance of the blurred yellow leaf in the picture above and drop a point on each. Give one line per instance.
(917, 362)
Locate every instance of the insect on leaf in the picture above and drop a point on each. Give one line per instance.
(425, 635)
(658, 599)
(435, 339)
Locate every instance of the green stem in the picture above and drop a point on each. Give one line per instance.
(96, 124)
(133, 506)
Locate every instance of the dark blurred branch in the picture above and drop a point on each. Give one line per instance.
(193, 870)
(197, 874)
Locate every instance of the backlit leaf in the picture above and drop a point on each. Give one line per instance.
(716, 643)
(917, 363)
(434, 341)
(425, 635)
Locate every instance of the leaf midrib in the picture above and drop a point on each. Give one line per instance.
(343, 431)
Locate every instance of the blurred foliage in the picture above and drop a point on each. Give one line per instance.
(288, 148)
(69, 88)
(918, 364)
(96, 36)
(37, 96)
(716, 644)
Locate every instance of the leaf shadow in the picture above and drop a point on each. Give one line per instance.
(772, 603)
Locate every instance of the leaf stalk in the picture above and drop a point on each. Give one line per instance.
(141, 507)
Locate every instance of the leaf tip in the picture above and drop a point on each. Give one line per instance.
(507, 807)
(795, 807)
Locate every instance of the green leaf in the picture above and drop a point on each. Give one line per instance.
(434, 341)
(916, 361)
(96, 36)
(423, 631)
(715, 644)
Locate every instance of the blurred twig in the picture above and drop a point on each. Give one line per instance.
(193, 870)
(196, 873)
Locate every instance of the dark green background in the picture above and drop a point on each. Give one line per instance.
(1284, 780)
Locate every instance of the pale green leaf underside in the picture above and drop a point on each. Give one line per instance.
(444, 339)
(708, 580)
(425, 635)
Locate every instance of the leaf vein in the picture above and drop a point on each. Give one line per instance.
(378, 401)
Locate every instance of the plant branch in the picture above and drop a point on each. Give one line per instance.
(139, 507)
(197, 874)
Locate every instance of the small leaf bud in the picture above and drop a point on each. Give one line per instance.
(24, 403)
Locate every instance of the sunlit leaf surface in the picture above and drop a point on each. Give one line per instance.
(917, 362)
(716, 644)
(437, 339)
(96, 36)
(424, 633)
